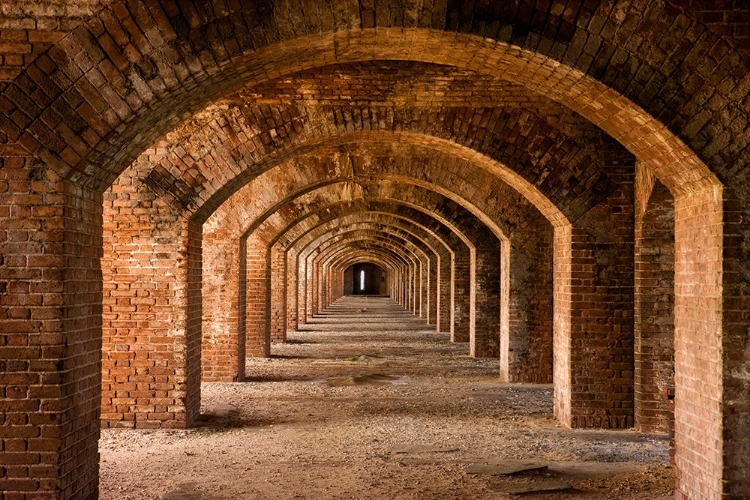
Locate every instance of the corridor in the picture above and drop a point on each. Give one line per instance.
(369, 402)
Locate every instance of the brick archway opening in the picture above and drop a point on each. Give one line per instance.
(365, 278)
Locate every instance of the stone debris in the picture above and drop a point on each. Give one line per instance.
(505, 468)
(423, 449)
(540, 486)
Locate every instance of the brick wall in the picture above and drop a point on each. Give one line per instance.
(89, 87)
(654, 313)
(698, 345)
(151, 337)
(527, 347)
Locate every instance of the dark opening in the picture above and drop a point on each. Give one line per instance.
(366, 279)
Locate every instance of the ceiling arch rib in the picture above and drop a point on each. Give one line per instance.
(569, 86)
(344, 240)
(333, 243)
(345, 224)
(298, 229)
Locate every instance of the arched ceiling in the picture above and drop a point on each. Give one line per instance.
(159, 64)
(298, 120)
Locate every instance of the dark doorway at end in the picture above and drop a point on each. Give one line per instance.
(365, 278)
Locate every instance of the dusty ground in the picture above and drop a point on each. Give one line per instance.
(370, 404)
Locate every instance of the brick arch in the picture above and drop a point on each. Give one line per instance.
(520, 147)
(228, 285)
(439, 253)
(375, 255)
(484, 314)
(380, 186)
(241, 210)
(315, 211)
(352, 241)
(259, 323)
(400, 226)
(336, 272)
(429, 220)
(292, 233)
(336, 283)
(238, 209)
(342, 240)
(337, 146)
(414, 244)
(169, 98)
(352, 246)
(308, 240)
(358, 276)
(224, 285)
(354, 255)
(527, 357)
(81, 209)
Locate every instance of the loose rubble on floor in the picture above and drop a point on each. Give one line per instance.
(374, 404)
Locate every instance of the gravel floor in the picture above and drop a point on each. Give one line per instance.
(369, 403)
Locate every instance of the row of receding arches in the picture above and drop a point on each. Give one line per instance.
(85, 111)
(277, 250)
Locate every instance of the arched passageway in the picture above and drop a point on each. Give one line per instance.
(172, 173)
(365, 279)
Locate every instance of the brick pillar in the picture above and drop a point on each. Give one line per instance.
(224, 312)
(50, 333)
(258, 341)
(485, 341)
(278, 294)
(526, 347)
(409, 288)
(152, 310)
(309, 285)
(301, 285)
(434, 287)
(736, 338)
(319, 285)
(700, 370)
(419, 288)
(593, 316)
(292, 291)
(654, 313)
(461, 296)
(445, 314)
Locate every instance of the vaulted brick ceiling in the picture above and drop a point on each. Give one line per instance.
(359, 120)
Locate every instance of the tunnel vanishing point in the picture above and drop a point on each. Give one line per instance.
(563, 184)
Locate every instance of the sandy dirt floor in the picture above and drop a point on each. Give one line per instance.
(368, 403)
